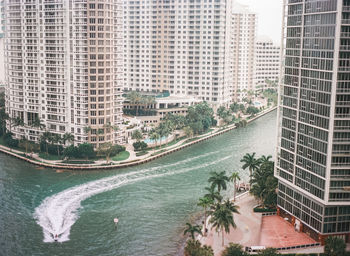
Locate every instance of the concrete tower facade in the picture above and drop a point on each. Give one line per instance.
(313, 153)
(179, 46)
(243, 29)
(63, 62)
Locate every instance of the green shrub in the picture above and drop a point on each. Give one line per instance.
(139, 145)
(257, 209)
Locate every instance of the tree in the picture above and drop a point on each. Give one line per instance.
(218, 180)
(212, 194)
(3, 118)
(251, 163)
(222, 218)
(224, 114)
(200, 117)
(71, 152)
(154, 137)
(234, 250)
(252, 110)
(86, 150)
(234, 107)
(194, 248)
(137, 135)
(57, 139)
(264, 184)
(25, 141)
(178, 121)
(140, 145)
(192, 230)
(37, 123)
(188, 131)
(87, 129)
(205, 202)
(67, 137)
(45, 138)
(334, 246)
(269, 252)
(105, 150)
(234, 177)
(264, 159)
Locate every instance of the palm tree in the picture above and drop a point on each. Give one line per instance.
(222, 218)
(218, 180)
(46, 137)
(134, 98)
(192, 230)
(251, 163)
(67, 137)
(87, 129)
(264, 159)
(26, 142)
(234, 177)
(212, 194)
(154, 136)
(205, 202)
(231, 206)
(137, 135)
(57, 139)
(38, 124)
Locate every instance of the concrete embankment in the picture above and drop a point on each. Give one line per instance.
(124, 164)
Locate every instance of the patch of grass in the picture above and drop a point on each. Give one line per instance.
(190, 140)
(49, 156)
(121, 156)
(159, 152)
(142, 153)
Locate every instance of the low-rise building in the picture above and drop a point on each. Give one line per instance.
(152, 114)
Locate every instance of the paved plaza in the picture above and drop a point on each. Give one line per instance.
(253, 229)
(277, 232)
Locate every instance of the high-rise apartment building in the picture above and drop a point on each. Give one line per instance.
(180, 47)
(63, 67)
(243, 29)
(313, 152)
(267, 63)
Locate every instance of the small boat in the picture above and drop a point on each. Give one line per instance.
(55, 238)
(116, 221)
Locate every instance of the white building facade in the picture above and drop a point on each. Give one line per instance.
(180, 47)
(63, 64)
(244, 24)
(267, 64)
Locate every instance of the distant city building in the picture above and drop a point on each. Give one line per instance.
(313, 152)
(267, 63)
(2, 18)
(243, 32)
(63, 62)
(179, 46)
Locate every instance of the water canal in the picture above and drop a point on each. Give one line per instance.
(152, 201)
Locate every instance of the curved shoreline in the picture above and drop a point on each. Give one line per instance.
(9, 152)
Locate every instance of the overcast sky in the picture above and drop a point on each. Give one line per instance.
(269, 17)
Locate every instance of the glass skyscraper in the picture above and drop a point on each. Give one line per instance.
(313, 151)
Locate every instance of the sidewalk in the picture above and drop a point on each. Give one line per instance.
(247, 232)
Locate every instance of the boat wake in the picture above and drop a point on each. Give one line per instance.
(58, 213)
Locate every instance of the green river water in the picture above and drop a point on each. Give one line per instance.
(152, 201)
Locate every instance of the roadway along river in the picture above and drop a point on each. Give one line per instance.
(152, 201)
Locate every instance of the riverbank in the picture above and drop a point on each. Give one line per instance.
(135, 160)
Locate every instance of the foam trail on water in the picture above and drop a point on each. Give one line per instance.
(57, 213)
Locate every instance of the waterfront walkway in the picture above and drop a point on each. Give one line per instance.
(133, 159)
(247, 232)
